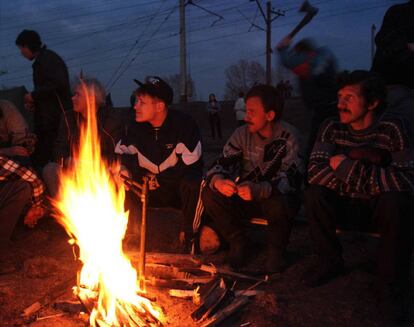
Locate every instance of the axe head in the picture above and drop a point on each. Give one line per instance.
(307, 8)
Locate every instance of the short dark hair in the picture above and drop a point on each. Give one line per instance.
(372, 85)
(30, 39)
(270, 97)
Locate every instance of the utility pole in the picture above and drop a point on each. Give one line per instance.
(268, 21)
(183, 55)
(268, 43)
(183, 50)
(373, 30)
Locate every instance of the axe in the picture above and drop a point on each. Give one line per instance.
(310, 13)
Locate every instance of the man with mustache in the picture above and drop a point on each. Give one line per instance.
(260, 171)
(361, 176)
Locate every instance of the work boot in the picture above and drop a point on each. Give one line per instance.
(237, 253)
(324, 271)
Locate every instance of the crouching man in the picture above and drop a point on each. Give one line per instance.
(363, 163)
(260, 167)
(165, 146)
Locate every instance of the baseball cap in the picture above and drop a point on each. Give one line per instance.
(156, 87)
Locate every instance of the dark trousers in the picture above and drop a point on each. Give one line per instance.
(14, 196)
(180, 194)
(390, 214)
(228, 215)
(44, 148)
(215, 123)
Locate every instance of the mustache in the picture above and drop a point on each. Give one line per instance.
(344, 111)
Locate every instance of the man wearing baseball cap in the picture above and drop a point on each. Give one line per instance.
(165, 146)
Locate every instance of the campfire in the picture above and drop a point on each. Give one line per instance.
(91, 209)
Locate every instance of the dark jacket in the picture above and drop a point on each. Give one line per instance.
(169, 152)
(393, 60)
(110, 129)
(51, 92)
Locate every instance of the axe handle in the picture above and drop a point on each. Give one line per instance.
(305, 20)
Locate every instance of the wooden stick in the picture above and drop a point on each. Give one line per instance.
(218, 270)
(141, 268)
(51, 316)
(165, 258)
(182, 294)
(186, 294)
(226, 312)
(45, 300)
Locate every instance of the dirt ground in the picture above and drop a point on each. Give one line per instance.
(45, 261)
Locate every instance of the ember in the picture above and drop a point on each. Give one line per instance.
(91, 209)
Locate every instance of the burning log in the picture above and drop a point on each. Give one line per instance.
(128, 315)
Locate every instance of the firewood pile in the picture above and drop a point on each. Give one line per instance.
(216, 292)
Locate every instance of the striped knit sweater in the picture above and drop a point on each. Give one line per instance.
(357, 178)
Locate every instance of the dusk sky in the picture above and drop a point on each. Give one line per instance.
(117, 41)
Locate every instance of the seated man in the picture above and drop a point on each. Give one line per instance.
(20, 189)
(261, 167)
(110, 129)
(363, 162)
(164, 145)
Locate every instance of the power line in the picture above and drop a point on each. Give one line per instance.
(133, 46)
(139, 50)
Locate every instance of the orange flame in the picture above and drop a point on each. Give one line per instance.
(91, 208)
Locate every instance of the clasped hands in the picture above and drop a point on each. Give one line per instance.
(375, 156)
(227, 187)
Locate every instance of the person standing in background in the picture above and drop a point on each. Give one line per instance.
(213, 109)
(51, 94)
